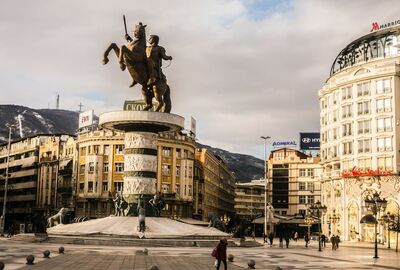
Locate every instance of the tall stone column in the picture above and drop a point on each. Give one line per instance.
(140, 169)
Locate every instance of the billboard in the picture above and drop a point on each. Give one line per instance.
(86, 118)
(309, 140)
(278, 144)
(190, 126)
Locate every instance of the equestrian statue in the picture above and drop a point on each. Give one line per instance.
(144, 66)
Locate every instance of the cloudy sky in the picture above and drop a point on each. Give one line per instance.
(241, 68)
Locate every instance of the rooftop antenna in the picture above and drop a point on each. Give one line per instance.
(21, 134)
(58, 102)
(80, 106)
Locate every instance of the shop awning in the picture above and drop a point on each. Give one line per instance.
(261, 220)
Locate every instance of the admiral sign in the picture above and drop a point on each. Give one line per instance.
(284, 144)
(309, 140)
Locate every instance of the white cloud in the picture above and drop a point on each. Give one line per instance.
(240, 77)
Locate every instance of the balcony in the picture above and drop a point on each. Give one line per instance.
(23, 173)
(20, 198)
(17, 186)
(48, 159)
(25, 162)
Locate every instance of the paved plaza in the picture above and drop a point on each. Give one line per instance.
(110, 257)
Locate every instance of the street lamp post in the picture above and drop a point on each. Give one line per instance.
(265, 138)
(317, 209)
(3, 217)
(309, 220)
(375, 204)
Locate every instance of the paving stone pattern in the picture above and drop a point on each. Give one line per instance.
(112, 257)
(124, 262)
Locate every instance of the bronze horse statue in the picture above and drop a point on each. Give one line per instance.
(133, 56)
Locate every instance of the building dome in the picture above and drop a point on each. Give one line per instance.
(377, 44)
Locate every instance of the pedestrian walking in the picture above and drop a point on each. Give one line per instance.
(280, 240)
(333, 241)
(296, 236)
(307, 239)
(287, 240)
(323, 240)
(337, 241)
(265, 238)
(219, 253)
(271, 238)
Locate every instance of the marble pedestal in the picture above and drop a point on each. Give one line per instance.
(140, 154)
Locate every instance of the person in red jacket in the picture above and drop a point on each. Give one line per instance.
(220, 253)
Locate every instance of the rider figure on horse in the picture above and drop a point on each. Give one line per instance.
(156, 54)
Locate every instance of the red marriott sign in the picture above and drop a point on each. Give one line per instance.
(376, 26)
(357, 173)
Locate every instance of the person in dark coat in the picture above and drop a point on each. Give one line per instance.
(307, 239)
(323, 240)
(281, 240)
(337, 241)
(271, 238)
(220, 253)
(333, 241)
(287, 239)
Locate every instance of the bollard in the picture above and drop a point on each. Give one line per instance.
(251, 264)
(154, 267)
(2, 265)
(61, 250)
(46, 254)
(230, 258)
(30, 259)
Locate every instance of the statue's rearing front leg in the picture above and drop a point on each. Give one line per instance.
(114, 47)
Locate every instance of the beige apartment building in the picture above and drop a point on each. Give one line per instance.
(360, 143)
(215, 186)
(175, 168)
(34, 164)
(101, 169)
(250, 199)
(55, 185)
(294, 181)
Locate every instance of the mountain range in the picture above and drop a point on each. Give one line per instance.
(27, 122)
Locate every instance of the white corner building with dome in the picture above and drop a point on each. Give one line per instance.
(360, 142)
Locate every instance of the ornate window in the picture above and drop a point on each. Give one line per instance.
(383, 86)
